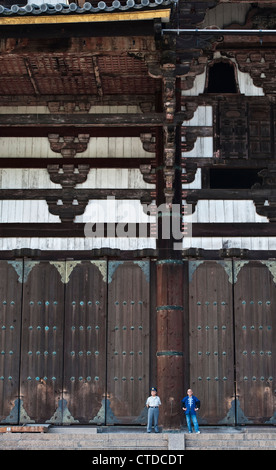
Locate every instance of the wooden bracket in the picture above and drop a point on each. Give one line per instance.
(267, 206)
(69, 145)
(68, 206)
(68, 175)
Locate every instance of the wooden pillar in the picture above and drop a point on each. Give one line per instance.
(170, 347)
(169, 266)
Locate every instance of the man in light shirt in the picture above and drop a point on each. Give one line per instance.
(153, 402)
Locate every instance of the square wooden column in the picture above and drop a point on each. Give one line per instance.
(170, 340)
(169, 266)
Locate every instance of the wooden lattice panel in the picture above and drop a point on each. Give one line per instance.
(130, 85)
(121, 65)
(74, 74)
(16, 86)
(67, 85)
(11, 66)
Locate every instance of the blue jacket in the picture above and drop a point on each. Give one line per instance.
(190, 409)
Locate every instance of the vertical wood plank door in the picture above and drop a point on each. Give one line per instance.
(10, 328)
(128, 341)
(211, 339)
(255, 339)
(85, 342)
(42, 342)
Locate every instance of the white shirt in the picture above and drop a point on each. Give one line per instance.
(153, 401)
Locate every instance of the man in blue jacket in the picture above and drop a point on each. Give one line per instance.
(191, 404)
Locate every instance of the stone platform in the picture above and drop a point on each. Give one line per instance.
(111, 438)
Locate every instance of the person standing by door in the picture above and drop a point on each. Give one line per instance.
(190, 405)
(153, 402)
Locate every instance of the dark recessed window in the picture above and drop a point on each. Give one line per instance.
(234, 179)
(221, 78)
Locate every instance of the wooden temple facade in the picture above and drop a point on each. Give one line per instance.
(137, 210)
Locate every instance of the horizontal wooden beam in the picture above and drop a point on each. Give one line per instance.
(111, 162)
(89, 194)
(190, 195)
(239, 163)
(67, 230)
(92, 100)
(198, 131)
(234, 230)
(87, 120)
(92, 162)
(71, 230)
(81, 120)
(193, 195)
(95, 253)
(115, 253)
(104, 131)
(208, 99)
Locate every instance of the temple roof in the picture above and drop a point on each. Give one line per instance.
(73, 8)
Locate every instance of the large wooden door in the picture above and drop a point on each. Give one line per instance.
(85, 342)
(211, 339)
(10, 331)
(75, 346)
(232, 326)
(41, 364)
(128, 341)
(255, 340)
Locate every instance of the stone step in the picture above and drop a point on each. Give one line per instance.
(89, 439)
(227, 441)
(83, 441)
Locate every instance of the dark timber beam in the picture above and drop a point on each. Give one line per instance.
(190, 195)
(92, 162)
(93, 100)
(86, 120)
(67, 230)
(89, 194)
(81, 120)
(115, 253)
(44, 131)
(194, 195)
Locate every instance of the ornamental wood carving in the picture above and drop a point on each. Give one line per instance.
(68, 175)
(68, 145)
(149, 173)
(190, 171)
(255, 55)
(69, 107)
(68, 206)
(193, 13)
(266, 206)
(260, 65)
(149, 142)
